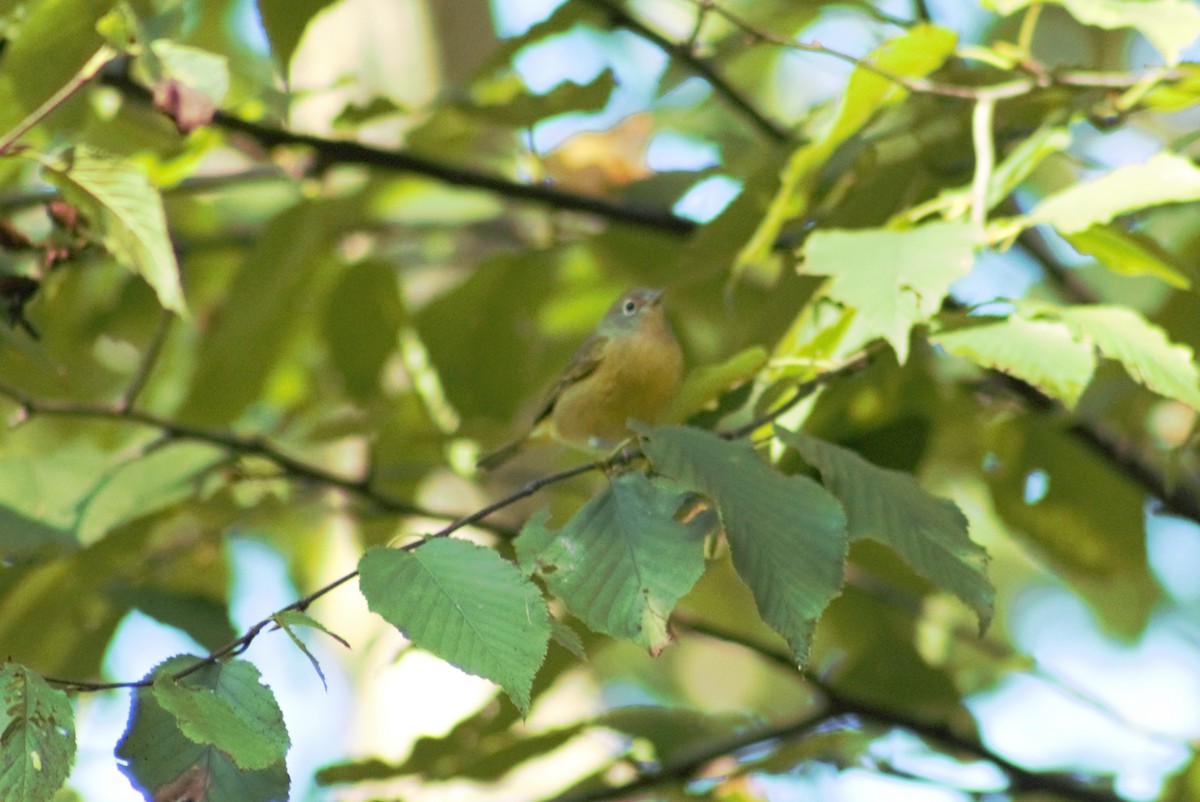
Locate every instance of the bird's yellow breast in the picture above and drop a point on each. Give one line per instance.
(637, 376)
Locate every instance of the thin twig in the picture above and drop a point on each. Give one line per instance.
(149, 359)
(686, 56)
(1034, 80)
(247, 446)
(186, 186)
(686, 767)
(241, 643)
(1020, 778)
(86, 73)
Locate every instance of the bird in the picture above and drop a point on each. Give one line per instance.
(630, 366)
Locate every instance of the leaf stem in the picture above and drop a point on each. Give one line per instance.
(89, 70)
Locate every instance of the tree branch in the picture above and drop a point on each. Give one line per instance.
(335, 151)
(1036, 76)
(254, 446)
(686, 767)
(245, 446)
(1020, 779)
(685, 55)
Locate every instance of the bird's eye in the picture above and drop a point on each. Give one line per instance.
(630, 307)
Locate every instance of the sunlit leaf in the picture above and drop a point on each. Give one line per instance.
(125, 212)
(1163, 178)
(892, 279)
(57, 37)
(466, 605)
(509, 101)
(1176, 95)
(1170, 25)
(1040, 352)
(1129, 254)
(918, 52)
(1141, 347)
(285, 21)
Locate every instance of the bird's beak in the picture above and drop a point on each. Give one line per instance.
(656, 297)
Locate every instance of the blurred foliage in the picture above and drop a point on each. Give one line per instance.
(278, 271)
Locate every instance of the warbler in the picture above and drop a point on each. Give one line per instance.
(629, 367)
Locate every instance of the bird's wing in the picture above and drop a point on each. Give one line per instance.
(583, 363)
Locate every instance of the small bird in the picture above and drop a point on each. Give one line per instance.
(629, 367)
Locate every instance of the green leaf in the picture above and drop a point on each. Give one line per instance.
(673, 731)
(174, 746)
(241, 718)
(955, 203)
(295, 618)
(367, 291)
(486, 758)
(1176, 95)
(917, 53)
(126, 212)
(811, 343)
(868, 645)
(197, 611)
(706, 383)
(787, 535)
(146, 485)
(1142, 348)
(535, 537)
(1039, 352)
(889, 506)
(1086, 518)
(24, 538)
(567, 638)
(1163, 178)
(892, 279)
(508, 100)
(1129, 253)
(1170, 25)
(37, 736)
(288, 620)
(266, 302)
(56, 38)
(466, 605)
(285, 22)
(623, 561)
(493, 307)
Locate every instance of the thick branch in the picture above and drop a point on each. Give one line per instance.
(336, 151)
